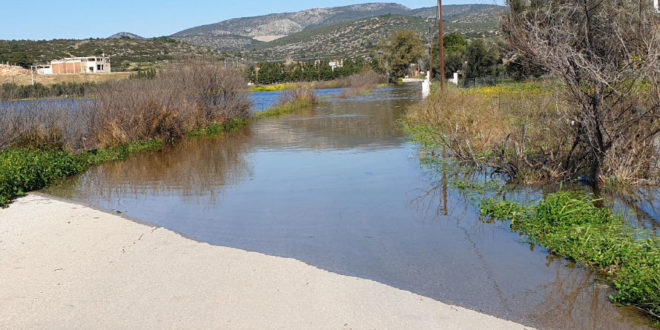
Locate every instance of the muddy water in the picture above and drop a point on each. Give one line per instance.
(339, 187)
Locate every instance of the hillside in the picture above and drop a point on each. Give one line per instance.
(450, 12)
(125, 54)
(345, 40)
(248, 32)
(359, 37)
(273, 26)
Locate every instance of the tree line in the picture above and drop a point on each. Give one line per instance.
(315, 70)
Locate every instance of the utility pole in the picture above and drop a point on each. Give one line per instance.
(32, 67)
(441, 44)
(431, 55)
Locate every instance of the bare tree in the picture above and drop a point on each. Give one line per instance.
(607, 54)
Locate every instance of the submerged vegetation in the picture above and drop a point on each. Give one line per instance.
(361, 83)
(572, 226)
(290, 101)
(514, 129)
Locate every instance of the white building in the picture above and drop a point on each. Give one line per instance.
(74, 65)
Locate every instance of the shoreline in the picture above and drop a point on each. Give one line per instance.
(68, 265)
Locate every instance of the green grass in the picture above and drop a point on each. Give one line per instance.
(26, 169)
(570, 225)
(215, 129)
(121, 152)
(274, 87)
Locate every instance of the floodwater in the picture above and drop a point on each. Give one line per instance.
(340, 187)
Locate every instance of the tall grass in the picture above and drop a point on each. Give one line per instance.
(572, 226)
(523, 130)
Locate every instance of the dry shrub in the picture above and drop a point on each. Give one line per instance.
(58, 123)
(360, 83)
(300, 95)
(528, 134)
(607, 55)
(181, 98)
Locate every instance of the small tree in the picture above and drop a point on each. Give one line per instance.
(455, 45)
(481, 60)
(403, 48)
(606, 53)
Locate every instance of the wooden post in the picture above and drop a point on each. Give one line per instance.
(441, 40)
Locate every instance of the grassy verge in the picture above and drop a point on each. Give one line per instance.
(26, 169)
(571, 226)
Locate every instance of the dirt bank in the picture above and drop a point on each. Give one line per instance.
(64, 265)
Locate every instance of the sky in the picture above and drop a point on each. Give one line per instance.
(40, 19)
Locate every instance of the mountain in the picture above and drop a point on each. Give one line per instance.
(359, 37)
(125, 35)
(259, 31)
(350, 39)
(224, 35)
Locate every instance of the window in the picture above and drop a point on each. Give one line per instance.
(99, 67)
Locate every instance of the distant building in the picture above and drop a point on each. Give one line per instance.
(73, 65)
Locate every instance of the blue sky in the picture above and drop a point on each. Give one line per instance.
(40, 19)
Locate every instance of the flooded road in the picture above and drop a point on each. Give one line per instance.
(340, 187)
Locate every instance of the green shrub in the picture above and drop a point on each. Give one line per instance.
(26, 169)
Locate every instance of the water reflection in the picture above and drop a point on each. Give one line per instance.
(194, 170)
(340, 188)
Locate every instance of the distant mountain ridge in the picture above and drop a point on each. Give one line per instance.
(128, 35)
(248, 32)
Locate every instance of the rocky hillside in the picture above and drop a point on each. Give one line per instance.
(350, 39)
(359, 37)
(245, 33)
(450, 12)
(273, 26)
